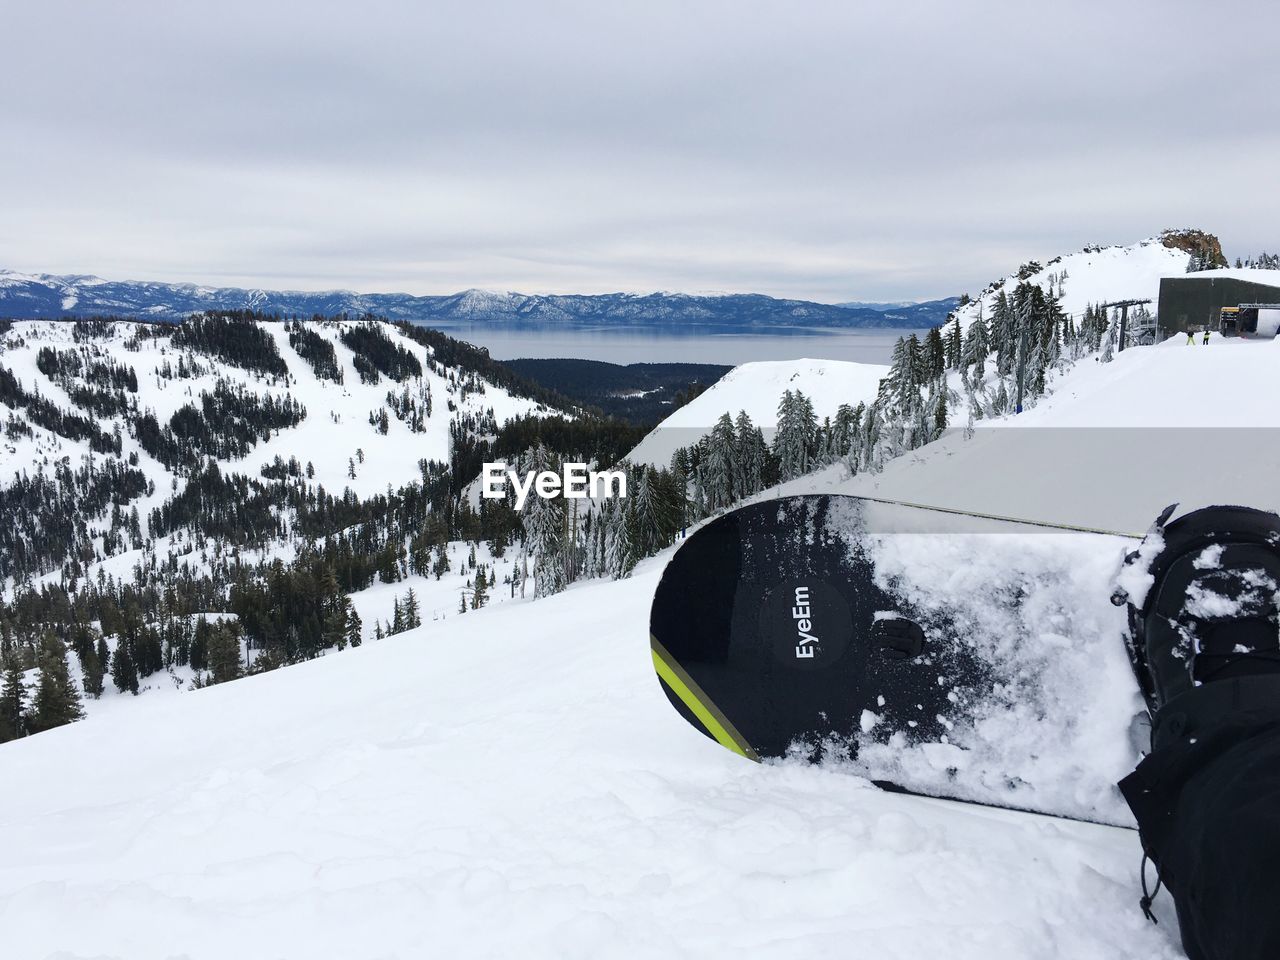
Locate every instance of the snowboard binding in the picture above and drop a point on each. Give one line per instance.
(1202, 595)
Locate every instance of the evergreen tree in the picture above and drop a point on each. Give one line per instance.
(652, 513)
(354, 626)
(104, 661)
(976, 347)
(57, 701)
(480, 595)
(224, 652)
(940, 413)
(750, 459)
(124, 674)
(13, 702)
(794, 444)
(954, 344)
(933, 357)
(845, 428)
(93, 670)
(335, 624)
(412, 614)
(1003, 334)
(1108, 342)
(440, 566)
(717, 468)
(545, 531)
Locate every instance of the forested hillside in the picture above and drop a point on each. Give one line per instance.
(180, 504)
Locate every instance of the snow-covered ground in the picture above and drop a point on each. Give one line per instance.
(514, 783)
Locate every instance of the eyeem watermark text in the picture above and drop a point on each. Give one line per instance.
(574, 481)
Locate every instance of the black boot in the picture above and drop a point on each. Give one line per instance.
(1204, 634)
(1203, 593)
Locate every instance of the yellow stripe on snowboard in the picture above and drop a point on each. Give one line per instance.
(683, 686)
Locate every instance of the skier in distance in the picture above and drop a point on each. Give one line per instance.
(1203, 594)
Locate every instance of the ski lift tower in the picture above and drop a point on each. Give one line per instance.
(1124, 306)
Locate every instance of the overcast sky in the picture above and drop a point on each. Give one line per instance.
(827, 150)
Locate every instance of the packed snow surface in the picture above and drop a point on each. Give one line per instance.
(514, 783)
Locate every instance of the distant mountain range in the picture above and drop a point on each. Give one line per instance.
(31, 296)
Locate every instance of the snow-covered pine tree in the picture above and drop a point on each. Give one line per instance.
(545, 531)
(750, 456)
(1003, 334)
(1109, 341)
(844, 428)
(954, 343)
(869, 453)
(823, 454)
(977, 346)
(412, 613)
(1001, 404)
(619, 556)
(1025, 340)
(717, 466)
(792, 445)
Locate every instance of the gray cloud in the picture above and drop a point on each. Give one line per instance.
(829, 150)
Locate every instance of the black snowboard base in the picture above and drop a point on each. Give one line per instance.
(775, 632)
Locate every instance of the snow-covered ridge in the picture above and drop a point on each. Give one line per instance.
(1092, 276)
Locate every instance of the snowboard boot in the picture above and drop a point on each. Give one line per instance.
(1203, 594)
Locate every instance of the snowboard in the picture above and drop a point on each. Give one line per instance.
(934, 653)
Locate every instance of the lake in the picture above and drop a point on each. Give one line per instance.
(690, 345)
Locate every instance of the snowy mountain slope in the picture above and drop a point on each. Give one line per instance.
(48, 295)
(336, 424)
(757, 388)
(334, 448)
(513, 783)
(1093, 276)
